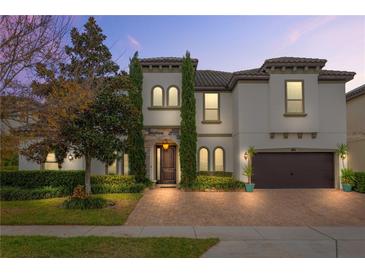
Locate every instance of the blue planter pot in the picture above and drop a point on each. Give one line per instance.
(249, 187)
(346, 187)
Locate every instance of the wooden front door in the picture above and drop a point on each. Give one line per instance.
(167, 165)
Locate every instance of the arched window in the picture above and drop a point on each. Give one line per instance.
(173, 98)
(218, 159)
(157, 96)
(203, 159)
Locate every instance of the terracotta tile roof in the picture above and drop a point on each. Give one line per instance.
(250, 72)
(294, 61)
(355, 92)
(211, 79)
(336, 75)
(221, 80)
(164, 61)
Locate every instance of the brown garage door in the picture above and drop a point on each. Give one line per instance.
(293, 170)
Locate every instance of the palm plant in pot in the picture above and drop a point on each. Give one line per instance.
(248, 172)
(347, 179)
(342, 151)
(248, 169)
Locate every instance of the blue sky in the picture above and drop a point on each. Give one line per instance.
(231, 43)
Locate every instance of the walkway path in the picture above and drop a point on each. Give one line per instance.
(235, 241)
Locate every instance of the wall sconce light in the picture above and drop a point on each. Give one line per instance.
(70, 157)
(245, 155)
(165, 145)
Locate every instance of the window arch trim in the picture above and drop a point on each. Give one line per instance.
(152, 95)
(208, 152)
(224, 158)
(168, 94)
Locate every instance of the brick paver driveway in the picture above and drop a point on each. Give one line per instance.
(279, 207)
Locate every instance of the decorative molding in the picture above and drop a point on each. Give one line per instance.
(214, 135)
(295, 114)
(164, 108)
(211, 122)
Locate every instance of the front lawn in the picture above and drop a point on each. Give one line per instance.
(112, 247)
(49, 212)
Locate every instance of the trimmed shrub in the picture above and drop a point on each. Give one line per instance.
(112, 179)
(215, 173)
(40, 178)
(87, 203)
(216, 183)
(117, 188)
(359, 178)
(16, 193)
(39, 184)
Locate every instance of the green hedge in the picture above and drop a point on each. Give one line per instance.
(40, 178)
(216, 183)
(16, 193)
(360, 182)
(117, 188)
(215, 173)
(39, 184)
(112, 179)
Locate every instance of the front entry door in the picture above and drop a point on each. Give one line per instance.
(167, 165)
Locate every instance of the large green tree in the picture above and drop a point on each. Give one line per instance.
(188, 125)
(92, 66)
(99, 131)
(95, 127)
(136, 152)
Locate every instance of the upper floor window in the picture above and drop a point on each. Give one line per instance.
(218, 159)
(157, 96)
(203, 159)
(211, 107)
(294, 96)
(173, 97)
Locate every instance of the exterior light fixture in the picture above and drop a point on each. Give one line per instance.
(70, 157)
(245, 155)
(165, 145)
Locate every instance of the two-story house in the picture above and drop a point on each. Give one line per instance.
(290, 109)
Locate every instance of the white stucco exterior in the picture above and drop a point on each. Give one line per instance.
(251, 114)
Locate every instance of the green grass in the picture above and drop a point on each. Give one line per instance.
(49, 212)
(111, 247)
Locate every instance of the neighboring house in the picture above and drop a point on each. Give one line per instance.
(290, 109)
(19, 112)
(355, 100)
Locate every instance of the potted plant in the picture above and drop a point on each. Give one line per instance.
(248, 172)
(248, 169)
(347, 179)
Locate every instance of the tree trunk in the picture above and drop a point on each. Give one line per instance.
(87, 175)
(106, 169)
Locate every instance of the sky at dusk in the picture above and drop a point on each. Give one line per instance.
(231, 43)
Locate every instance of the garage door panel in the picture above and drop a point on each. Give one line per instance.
(293, 170)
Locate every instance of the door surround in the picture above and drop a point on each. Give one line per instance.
(166, 174)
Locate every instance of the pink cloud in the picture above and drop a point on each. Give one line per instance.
(305, 27)
(133, 42)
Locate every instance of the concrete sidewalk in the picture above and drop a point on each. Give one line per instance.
(235, 241)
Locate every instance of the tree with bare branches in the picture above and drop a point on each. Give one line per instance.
(26, 41)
